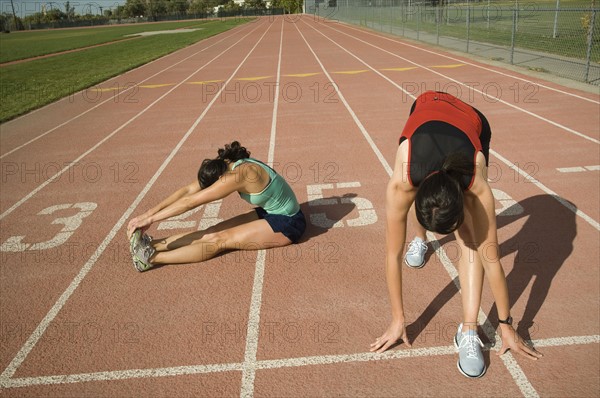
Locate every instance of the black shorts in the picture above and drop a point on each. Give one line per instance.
(485, 137)
(291, 226)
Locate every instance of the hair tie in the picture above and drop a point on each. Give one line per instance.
(435, 172)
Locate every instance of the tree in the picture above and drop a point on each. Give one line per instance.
(290, 6)
(55, 15)
(255, 4)
(69, 11)
(177, 7)
(200, 7)
(135, 8)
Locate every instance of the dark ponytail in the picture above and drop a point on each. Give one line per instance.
(212, 169)
(458, 166)
(233, 152)
(439, 200)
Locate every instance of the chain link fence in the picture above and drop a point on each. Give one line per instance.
(542, 36)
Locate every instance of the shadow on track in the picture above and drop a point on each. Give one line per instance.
(542, 246)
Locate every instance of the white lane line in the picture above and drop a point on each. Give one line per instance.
(252, 334)
(550, 192)
(577, 169)
(271, 155)
(362, 62)
(486, 95)
(512, 366)
(518, 376)
(564, 202)
(570, 169)
(362, 128)
(41, 328)
(273, 363)
(112, 98)
(464, 61)
(121, 375)
(233, 30)
(567, 341)
(76, 161)
(358, 357)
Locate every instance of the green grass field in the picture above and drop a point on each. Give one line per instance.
(535, 23)
(27, 44)
(32, 84)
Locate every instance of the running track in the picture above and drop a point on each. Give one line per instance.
(324, 103)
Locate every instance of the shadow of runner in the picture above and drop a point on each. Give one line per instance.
(542, 245)
(326, 213)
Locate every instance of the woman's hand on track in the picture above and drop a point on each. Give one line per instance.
(142, 222)
(512, 341)
(395, 332)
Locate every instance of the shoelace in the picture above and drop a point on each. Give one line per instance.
(415, 247)
(147, 252)
(146, 239)
(470, 342)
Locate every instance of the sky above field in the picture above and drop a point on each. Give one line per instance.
(24, 8)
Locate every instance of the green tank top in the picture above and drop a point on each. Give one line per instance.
(277, 197)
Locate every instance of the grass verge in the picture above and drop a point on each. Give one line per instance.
(30, 85)
(32, 43)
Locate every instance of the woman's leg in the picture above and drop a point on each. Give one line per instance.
(417, 248)
(470, 274)
(253, 235)
(416, 226)
(184, 239)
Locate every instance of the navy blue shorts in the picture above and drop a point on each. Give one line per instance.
(291, 226)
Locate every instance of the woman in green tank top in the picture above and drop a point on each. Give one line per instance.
(276, 221)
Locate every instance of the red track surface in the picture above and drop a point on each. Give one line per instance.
(78, 320)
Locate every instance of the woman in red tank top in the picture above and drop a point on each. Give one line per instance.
(441, 166)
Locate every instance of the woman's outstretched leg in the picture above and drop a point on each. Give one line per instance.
(184, 239)
(254, 235)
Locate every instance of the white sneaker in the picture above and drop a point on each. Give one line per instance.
(415, 254)
(470, 358)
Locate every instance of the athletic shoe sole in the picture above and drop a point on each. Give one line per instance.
(414, 266)
(460, 369)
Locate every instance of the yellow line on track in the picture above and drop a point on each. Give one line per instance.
(255, 78)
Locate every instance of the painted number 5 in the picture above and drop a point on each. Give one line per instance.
(366, 213)
(70, 224)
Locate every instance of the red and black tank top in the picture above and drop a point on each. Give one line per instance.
(440, 124)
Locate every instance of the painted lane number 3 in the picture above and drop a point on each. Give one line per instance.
(70, 225)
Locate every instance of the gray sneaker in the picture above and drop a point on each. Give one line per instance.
(135, 240)
(415, 254)
(141, 250)
(138, 240)
(470, 358)
(141, 258)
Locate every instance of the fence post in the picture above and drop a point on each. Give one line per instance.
(418, 20)
(555, 30)
(402, 18)
(590, 42)
(512, 39)
(381, 15)
(468, 24)
(372, 15)
(391, 15)
(437, 24)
